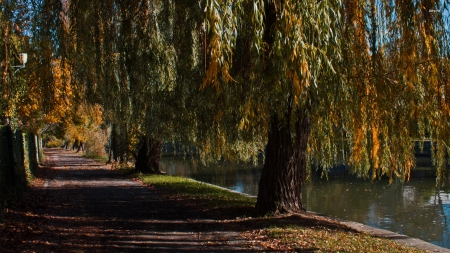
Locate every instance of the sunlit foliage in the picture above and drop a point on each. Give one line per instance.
(14, 19)
(371, 75)
(36, 112)
(84, 126)
(374, 74)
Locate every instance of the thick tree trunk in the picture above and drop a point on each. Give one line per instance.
(149, 154)
(280, 186)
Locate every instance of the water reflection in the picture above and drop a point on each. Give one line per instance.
(415, 208)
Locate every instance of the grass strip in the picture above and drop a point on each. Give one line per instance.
(209, 196)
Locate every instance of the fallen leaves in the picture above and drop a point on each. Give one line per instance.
(322, 239)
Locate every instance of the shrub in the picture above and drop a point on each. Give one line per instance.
(96, 142)
(54, 143)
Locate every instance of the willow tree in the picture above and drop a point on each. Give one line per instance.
(333, 82)
(308, 82)
(127, 62)
(271, 68)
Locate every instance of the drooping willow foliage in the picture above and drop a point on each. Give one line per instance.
(372, 76)
(13, 16)
(39, 92)
(395, 69)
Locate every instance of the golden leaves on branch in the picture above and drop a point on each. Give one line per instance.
(358, 146)
(221, 23)
(85, 123)
(211, 76)
(375, 146)
(47, 98)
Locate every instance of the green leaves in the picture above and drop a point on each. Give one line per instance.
(213, 73)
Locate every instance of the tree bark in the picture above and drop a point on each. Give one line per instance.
(148, 156)
(66, 144)
(80, 147)
(112, 145)
(76, 144)
(280, 186)
(5, 61)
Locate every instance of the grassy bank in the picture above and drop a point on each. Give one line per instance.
(204, 195)
(309, 234)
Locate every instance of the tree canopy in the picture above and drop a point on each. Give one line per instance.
(309, 82)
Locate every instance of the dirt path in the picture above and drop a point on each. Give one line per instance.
(82, 206)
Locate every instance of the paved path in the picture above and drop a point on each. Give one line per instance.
(93, 209)
(141, 219)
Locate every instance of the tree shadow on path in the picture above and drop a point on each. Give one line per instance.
(82, 206)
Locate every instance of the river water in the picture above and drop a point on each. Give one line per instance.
(415, 208)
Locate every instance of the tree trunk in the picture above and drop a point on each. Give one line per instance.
(155, 156)
(149, 154)
(80, 147)
(113, 145)
(280, 186)
(75, 144)
(5, 62)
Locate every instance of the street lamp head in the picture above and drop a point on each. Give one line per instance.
(23, 57)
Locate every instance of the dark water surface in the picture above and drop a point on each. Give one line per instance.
(415, 208)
